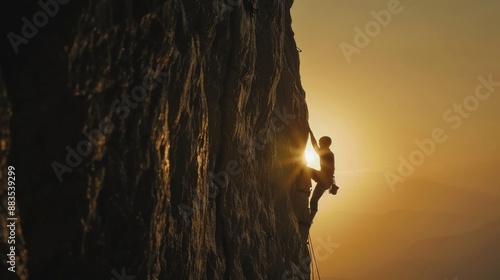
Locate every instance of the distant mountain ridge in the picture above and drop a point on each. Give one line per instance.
(384, 234)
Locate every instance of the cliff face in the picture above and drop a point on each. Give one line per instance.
(158, 139)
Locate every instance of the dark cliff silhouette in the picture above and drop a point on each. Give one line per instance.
(158, 139)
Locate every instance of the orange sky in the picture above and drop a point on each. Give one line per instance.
(427, 59)
(398, 88)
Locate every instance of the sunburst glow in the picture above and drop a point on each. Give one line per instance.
(311, 156)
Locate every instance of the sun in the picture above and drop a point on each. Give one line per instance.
(310, 156)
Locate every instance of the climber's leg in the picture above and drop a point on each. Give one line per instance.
(315, 174)
(317, 193)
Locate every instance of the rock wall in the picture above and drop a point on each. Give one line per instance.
(157, 139)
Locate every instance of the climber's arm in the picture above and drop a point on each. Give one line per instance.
(314, 142)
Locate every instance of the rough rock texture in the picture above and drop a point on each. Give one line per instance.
(161, 139)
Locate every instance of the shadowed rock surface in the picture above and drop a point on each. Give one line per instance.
(196, 120)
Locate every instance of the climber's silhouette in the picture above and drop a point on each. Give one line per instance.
(325, 177)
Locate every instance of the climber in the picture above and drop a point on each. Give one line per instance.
(325, 177)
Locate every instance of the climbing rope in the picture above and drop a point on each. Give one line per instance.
(313, 261)
(311, 265)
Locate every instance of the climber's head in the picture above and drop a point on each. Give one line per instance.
(325, 142)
